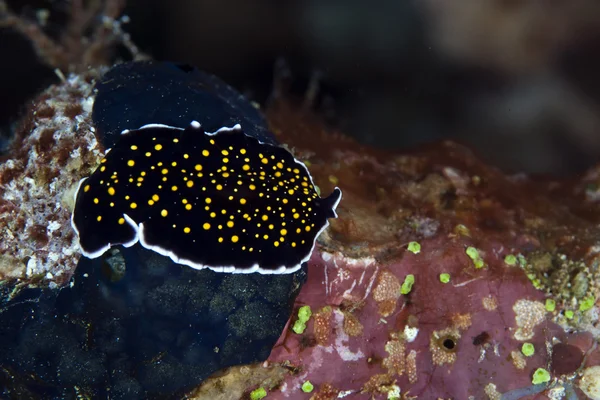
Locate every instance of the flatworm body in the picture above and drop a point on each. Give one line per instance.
(223, 200)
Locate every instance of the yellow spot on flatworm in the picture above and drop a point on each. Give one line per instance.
(230, 224)
(111, 191)
(224, 152)
(242, 201)
(186, 230)
(121, 221)
(283, 232)
(150, 202)
(206, 226)
(174, 188)
(133, 205)
(198, 167)
(205, 153)
(208, 200)
(219, 187)
(148, 154)
(235, 239)
(296, 215)
(155, 197)
(99, 218)
(96, 201)
(86, 188)
(188, 207)
(220, 240)
(158, 147)
(265, 217)
(131, 163)
(276, 244)
(189, 184)
(245, 167)
(243, 151)
(164, 213)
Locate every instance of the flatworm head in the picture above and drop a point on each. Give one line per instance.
(223, 200)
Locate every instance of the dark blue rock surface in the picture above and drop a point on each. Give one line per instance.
(134, 94)
(134, 325)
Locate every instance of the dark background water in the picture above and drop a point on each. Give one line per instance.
(516, 80)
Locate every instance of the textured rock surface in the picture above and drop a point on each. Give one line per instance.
(461, 339)
(55, 146)
(137, 326)
(520, 256)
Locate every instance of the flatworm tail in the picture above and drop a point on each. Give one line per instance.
(331, 202)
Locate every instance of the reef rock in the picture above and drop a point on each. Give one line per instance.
(443, 278)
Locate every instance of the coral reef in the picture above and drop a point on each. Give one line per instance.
(442, 278)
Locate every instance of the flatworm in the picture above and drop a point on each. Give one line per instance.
(223, 200)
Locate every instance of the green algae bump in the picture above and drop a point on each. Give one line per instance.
(528, 349)
(258, 394)
(307, 387)
(540, 376)
(304, 314)
(569, 314)
(408, 284)
(473, 254)
(587, 303)
(414, 247)
(510, 260)
(444, 278)
(550, 305)
(462, 230)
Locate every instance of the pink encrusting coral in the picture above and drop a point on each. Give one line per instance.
(441, 340)
(443, 278)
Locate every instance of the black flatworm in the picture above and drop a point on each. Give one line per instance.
(223, 200)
